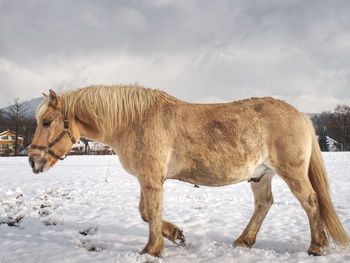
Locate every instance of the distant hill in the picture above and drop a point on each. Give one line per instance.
(311, 115)
(30, 107)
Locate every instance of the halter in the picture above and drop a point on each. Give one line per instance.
(58, 138)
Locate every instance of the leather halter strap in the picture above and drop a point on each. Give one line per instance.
(56, 140)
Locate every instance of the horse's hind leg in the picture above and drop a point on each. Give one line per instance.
(263, 200)
(299, 183)
(170, 231)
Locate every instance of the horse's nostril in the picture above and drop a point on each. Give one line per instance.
(31, 162)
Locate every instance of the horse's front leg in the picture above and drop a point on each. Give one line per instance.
(169, 230)
(152, 195)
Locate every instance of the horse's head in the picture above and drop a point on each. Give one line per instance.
(54, 135)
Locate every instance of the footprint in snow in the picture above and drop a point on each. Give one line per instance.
(91, 245)
(87, 243)
(88, 231)
(13, 207)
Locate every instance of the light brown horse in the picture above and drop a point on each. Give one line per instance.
(159, 137)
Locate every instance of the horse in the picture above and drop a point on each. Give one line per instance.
(158, 137)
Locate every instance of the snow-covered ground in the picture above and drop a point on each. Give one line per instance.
(85, 209)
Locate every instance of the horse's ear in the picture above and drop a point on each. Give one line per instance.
(46, 96)
(55, 100)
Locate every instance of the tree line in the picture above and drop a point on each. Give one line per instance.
(334, 124)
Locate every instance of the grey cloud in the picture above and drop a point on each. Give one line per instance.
(227, 49)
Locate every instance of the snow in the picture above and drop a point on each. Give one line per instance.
(85, 209)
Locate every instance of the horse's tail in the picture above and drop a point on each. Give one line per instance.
(319, 181)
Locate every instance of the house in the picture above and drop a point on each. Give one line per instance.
(7, 142)
(100, 148)
(78, 148)
(92, 148)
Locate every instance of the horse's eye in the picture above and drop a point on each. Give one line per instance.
(46, 123)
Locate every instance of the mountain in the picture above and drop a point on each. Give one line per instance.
(29, 106)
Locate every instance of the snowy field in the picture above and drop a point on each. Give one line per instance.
(85, 209)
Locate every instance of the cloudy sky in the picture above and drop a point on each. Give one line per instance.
(197, 50)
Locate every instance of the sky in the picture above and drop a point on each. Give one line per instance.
(197, 50)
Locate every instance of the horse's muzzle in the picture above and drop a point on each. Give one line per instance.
(38, 164)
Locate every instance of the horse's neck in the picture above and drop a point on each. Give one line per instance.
(88, 129)
(114, 127)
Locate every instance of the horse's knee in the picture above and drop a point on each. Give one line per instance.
(265, 202)
(263, 199)
(307, 198)
(144, 217)
(312, 200)
(142, 210)
(271, 200)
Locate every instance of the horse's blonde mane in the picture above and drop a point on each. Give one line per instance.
(111, 107)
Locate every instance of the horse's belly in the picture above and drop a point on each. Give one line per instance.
(202, 166)
(214, 175)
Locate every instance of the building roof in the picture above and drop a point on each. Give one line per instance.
(6, 131)
(10, 133)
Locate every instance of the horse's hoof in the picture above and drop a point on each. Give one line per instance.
(181, 238)
(158, 254)
(243, 243)
(315, 253)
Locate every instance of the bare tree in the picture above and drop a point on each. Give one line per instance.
(336, 123)
(342, 116)
(28, 131)
(3, 120)
(16, 115)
